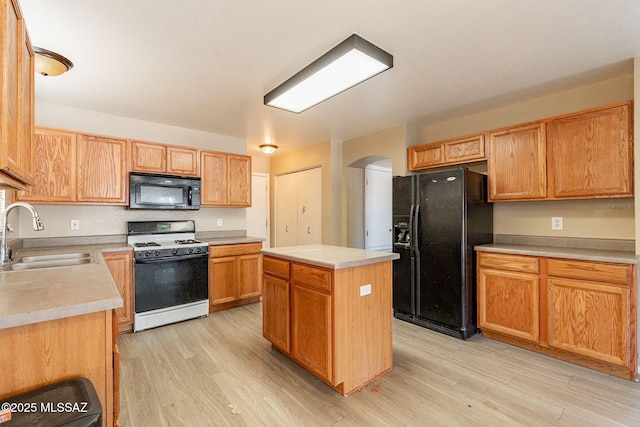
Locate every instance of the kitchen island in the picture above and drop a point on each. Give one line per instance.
(329, 309)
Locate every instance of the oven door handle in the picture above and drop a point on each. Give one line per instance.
(175, 258)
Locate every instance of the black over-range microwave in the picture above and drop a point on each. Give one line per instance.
(151, 191)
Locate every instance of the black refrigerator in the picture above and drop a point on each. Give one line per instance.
(438, 218)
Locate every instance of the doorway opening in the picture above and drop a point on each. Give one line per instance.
(369, 199)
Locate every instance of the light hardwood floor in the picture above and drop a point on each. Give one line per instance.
(219, 371)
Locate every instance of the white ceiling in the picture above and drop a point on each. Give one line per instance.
(206, 64)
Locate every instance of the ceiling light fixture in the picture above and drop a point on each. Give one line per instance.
(349, 63)
(268, 148)
(50, 63)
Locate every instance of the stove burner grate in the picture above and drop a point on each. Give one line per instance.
(187, 242)
(145, 244)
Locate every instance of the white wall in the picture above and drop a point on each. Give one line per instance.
(106, 220)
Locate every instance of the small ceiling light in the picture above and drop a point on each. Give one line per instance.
(268, 148)
(50, 63)
(349, 63)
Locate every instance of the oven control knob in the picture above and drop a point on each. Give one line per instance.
(198, 250)
(147, 253)
(156, 253)
(174, 251)
(190, 250)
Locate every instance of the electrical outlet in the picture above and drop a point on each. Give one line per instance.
(365, 290)
(219, 222)
(75, 224)
(556, 223)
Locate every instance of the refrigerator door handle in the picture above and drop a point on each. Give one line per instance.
(415, 221)
(411, 243)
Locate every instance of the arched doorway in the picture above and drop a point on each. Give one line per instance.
(369, 197)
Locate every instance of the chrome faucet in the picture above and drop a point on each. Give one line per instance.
(5, 253)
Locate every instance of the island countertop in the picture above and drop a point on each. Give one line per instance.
(334, 257)
(39, 295)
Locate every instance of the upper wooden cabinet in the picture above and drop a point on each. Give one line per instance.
(160, 158)
(590, 153)
(517, 163)
(449, 152)
(226, 179)
(78, 168)
(16, 98)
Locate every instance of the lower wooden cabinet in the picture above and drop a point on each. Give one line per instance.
(275, 312)
(121, 267)
(580, 311)
(234, 275)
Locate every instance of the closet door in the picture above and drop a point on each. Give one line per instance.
(286, 210)
(310, 206)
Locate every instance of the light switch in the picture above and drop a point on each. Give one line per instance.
(365, 290)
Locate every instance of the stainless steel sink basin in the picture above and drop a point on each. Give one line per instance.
(49, 261)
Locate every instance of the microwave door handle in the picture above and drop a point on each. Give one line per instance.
(189, 195)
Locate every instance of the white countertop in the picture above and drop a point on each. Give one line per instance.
(334, 257)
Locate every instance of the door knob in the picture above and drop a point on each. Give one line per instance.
(308, 230)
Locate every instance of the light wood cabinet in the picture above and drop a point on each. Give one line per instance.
(102, 170)
(517, 163)
(590, 153)
(121, 267)
(450, 152)
(319, 317)
(55, 175)
(579, 311)
(235, 273)
(508, 295)
(160, 158)
(78, 168)
(226, 179)
(16, 99)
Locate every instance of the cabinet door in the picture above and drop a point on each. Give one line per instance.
(25, 107)
(239, 180)
(426, 156)
(223, 276)
(464, 150)
(249, 275)
(275, 312)
(102, 170)
(589, 318)
(590, 154)
(148, 157)
(311, 340)
(55, 166)
(508, 303)
(517, 163)
(213, 172)
(309, 188)
(121, 267)
(182, 161)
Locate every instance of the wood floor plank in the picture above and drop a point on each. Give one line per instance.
(220, 371)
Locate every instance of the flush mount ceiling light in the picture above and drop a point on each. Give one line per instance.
(50, 63)
(349, 63)
(268, 148)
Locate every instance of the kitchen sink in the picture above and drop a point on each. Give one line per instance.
(49, 261)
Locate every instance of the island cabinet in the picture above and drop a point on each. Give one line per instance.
(450, 152)
(334, 322)
(234, 275)
(576, 310)
(16, 100)
(160, 158)
(120, 265)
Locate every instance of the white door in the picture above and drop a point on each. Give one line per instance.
(310, 206)
(377, 208)
(258, 213)
(286, 219)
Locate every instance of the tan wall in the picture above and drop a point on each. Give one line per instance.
(385, 143)
(582, 218)
(260, 164)
(311, 156)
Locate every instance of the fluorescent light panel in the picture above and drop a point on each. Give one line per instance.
(351, 62)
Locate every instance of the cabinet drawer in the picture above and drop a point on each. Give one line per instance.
(313, 277)
(522, 263)
(275, 267)
(594, 271)
(230, 250)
